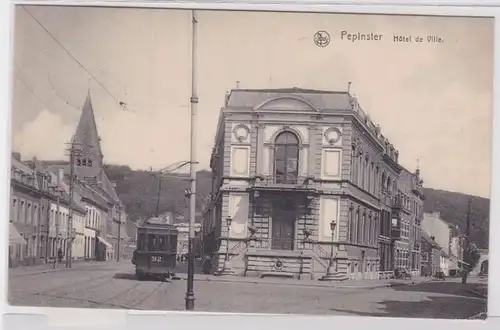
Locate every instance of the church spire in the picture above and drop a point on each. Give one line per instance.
(86, 139)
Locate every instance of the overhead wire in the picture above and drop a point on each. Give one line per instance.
(122, 104)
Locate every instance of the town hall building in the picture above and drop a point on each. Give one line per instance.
(306, 186)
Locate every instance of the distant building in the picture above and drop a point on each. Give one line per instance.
(39, 215)
(409, 203)
(431, 255)
(433, 225)
(449, 239)
(297, 173)
(104, 232)
(29, 212)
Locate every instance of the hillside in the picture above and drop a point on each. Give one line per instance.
(453, 208)
(138, 191)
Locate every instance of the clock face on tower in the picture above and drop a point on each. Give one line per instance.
(332, 135)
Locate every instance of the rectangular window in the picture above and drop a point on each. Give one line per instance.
(152, 242)
(141, 242)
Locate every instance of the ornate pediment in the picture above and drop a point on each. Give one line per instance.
(286, 103)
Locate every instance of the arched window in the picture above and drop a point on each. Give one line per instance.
(84, 162)
(78, 162)
(286, 158)
(89, 162)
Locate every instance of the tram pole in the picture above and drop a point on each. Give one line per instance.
(192, 194)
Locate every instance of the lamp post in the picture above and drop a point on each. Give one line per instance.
(192, 168)
(331, 271)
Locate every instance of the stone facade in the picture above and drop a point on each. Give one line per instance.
(39, 213)
(301, 179)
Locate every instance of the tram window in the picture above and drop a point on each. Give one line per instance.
(152, 243)
(162, 240)
(141, 242)
(173, 243)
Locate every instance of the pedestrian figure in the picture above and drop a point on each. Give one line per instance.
(60, 255)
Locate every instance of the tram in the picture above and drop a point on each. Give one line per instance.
(155, 255)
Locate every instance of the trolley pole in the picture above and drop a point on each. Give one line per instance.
(192, 197)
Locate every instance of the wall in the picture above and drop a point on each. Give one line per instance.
(433, 225)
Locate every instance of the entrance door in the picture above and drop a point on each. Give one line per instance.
(283, 225)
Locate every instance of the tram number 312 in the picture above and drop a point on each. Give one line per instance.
(156, 258)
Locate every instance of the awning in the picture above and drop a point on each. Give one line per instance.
(14, 236)
(103, 241)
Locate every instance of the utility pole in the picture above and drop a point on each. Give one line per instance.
(467, 269)
(69, 256)
(57, 218)
(158, 198)
(192, 194)
(119, 237)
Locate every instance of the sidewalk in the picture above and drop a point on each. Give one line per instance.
(49, 268)
(348, 284)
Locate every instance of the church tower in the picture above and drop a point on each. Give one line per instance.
(88, 159)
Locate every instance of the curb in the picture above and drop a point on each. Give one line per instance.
(55, 270)
(310, 285)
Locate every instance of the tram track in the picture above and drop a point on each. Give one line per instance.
(68, 285)
(143, 299)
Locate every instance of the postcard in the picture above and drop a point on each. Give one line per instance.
(251, 162)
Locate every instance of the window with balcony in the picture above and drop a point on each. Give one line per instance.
(286, 159)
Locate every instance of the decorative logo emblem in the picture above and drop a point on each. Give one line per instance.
(321, 38)
(332, 135)
(278, 265)
(241, 132)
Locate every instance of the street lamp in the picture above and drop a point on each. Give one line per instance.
(331, 271)
(192, 168)
(226, 268)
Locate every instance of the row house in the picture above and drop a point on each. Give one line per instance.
(106, 217)
(303, 181)
(62, 234)
(430, 255)
(450, 240)
(407, 212)
(29, 211)
(39, 214)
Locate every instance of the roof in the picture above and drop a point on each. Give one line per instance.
(77, 205)
(98, 190)
(319, 99)
(86, 132)
(18, 165)
(429, 240)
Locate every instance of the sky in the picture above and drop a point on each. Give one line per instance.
(432, 100)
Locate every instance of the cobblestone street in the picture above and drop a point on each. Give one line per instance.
(113, 285)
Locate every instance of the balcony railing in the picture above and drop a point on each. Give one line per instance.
(396, 232)
(283, 181)
(399, 204)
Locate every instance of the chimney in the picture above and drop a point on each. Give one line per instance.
(16, 155)
(60, 176)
